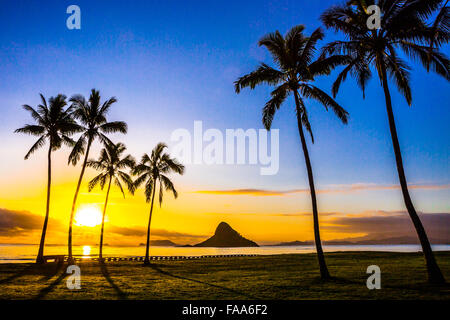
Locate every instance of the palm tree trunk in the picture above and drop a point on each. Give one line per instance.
(70, 259)
(324, 274)
(103, 221)
(434, 273)
(147, 248)
(40, 256)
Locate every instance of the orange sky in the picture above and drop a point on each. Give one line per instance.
(265, 216)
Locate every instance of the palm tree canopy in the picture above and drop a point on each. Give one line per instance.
(295, 70)
(439, 30)
(111, 166)
(92, 116)
(403, 26)
(156, 167)
(53, 122)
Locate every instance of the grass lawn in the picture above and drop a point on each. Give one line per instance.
(291, 276)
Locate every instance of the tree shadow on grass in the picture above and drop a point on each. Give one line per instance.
(45, 291)
(50, 270)
(156, 268)
(19, 274)
(122, 295)
(46, 270)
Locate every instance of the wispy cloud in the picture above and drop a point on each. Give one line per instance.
(13, 223)
(332, 189)
(396, 224)
(252, 192)
(139, 232)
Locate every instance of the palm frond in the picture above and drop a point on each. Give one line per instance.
(399, 70)
(127, 162)
(128, 181)
(430, 58)
(107, 105)
(312, 92)
(77, 150)
(168, 185)
(113, 127)
(148, 189)
(68, 141)
(263, 74)
(118, 184)
(141, 179)
(96, 180)
(324, 66)
(309, 49)
(30, 129)
(172, 164)
(36, 116)
(279, 95)
(440, 30)
(38, 144)
(275, 43)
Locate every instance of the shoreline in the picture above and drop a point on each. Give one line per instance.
(222, 253)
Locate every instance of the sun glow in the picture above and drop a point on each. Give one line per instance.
(86, 250)
(88, 216)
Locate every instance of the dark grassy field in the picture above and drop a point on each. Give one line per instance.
(264, 277)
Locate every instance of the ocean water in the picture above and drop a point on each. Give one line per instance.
(27, 253)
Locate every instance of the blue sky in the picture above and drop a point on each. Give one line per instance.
(171, 62)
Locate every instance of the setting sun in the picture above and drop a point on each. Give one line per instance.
(88, 216)
(86, 250)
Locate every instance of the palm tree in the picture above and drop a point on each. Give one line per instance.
(55, 125)
(403, 26)
(92, 116)
(293, 54)
(439, 31)
(151, 170)
(111, 166)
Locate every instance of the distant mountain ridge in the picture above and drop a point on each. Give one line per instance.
(226, 236)
(386, 241)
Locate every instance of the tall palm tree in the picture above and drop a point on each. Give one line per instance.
(403, 26)
(293, 54)
(151, 170)
(55, 125)
(91, 115)
(111, 166)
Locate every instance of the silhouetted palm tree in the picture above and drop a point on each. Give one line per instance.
(111, 166)
(439, 31)
(151, 170)
(293, 55)
(403, 26)
(54, 125)
(91, 115)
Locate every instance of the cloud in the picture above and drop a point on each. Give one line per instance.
(13, 223)
(293, 214)
(252, 192)
(21, 223)
(391, 225)
(333, 189)
(139, 232)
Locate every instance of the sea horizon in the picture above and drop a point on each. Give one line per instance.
(27, 254)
